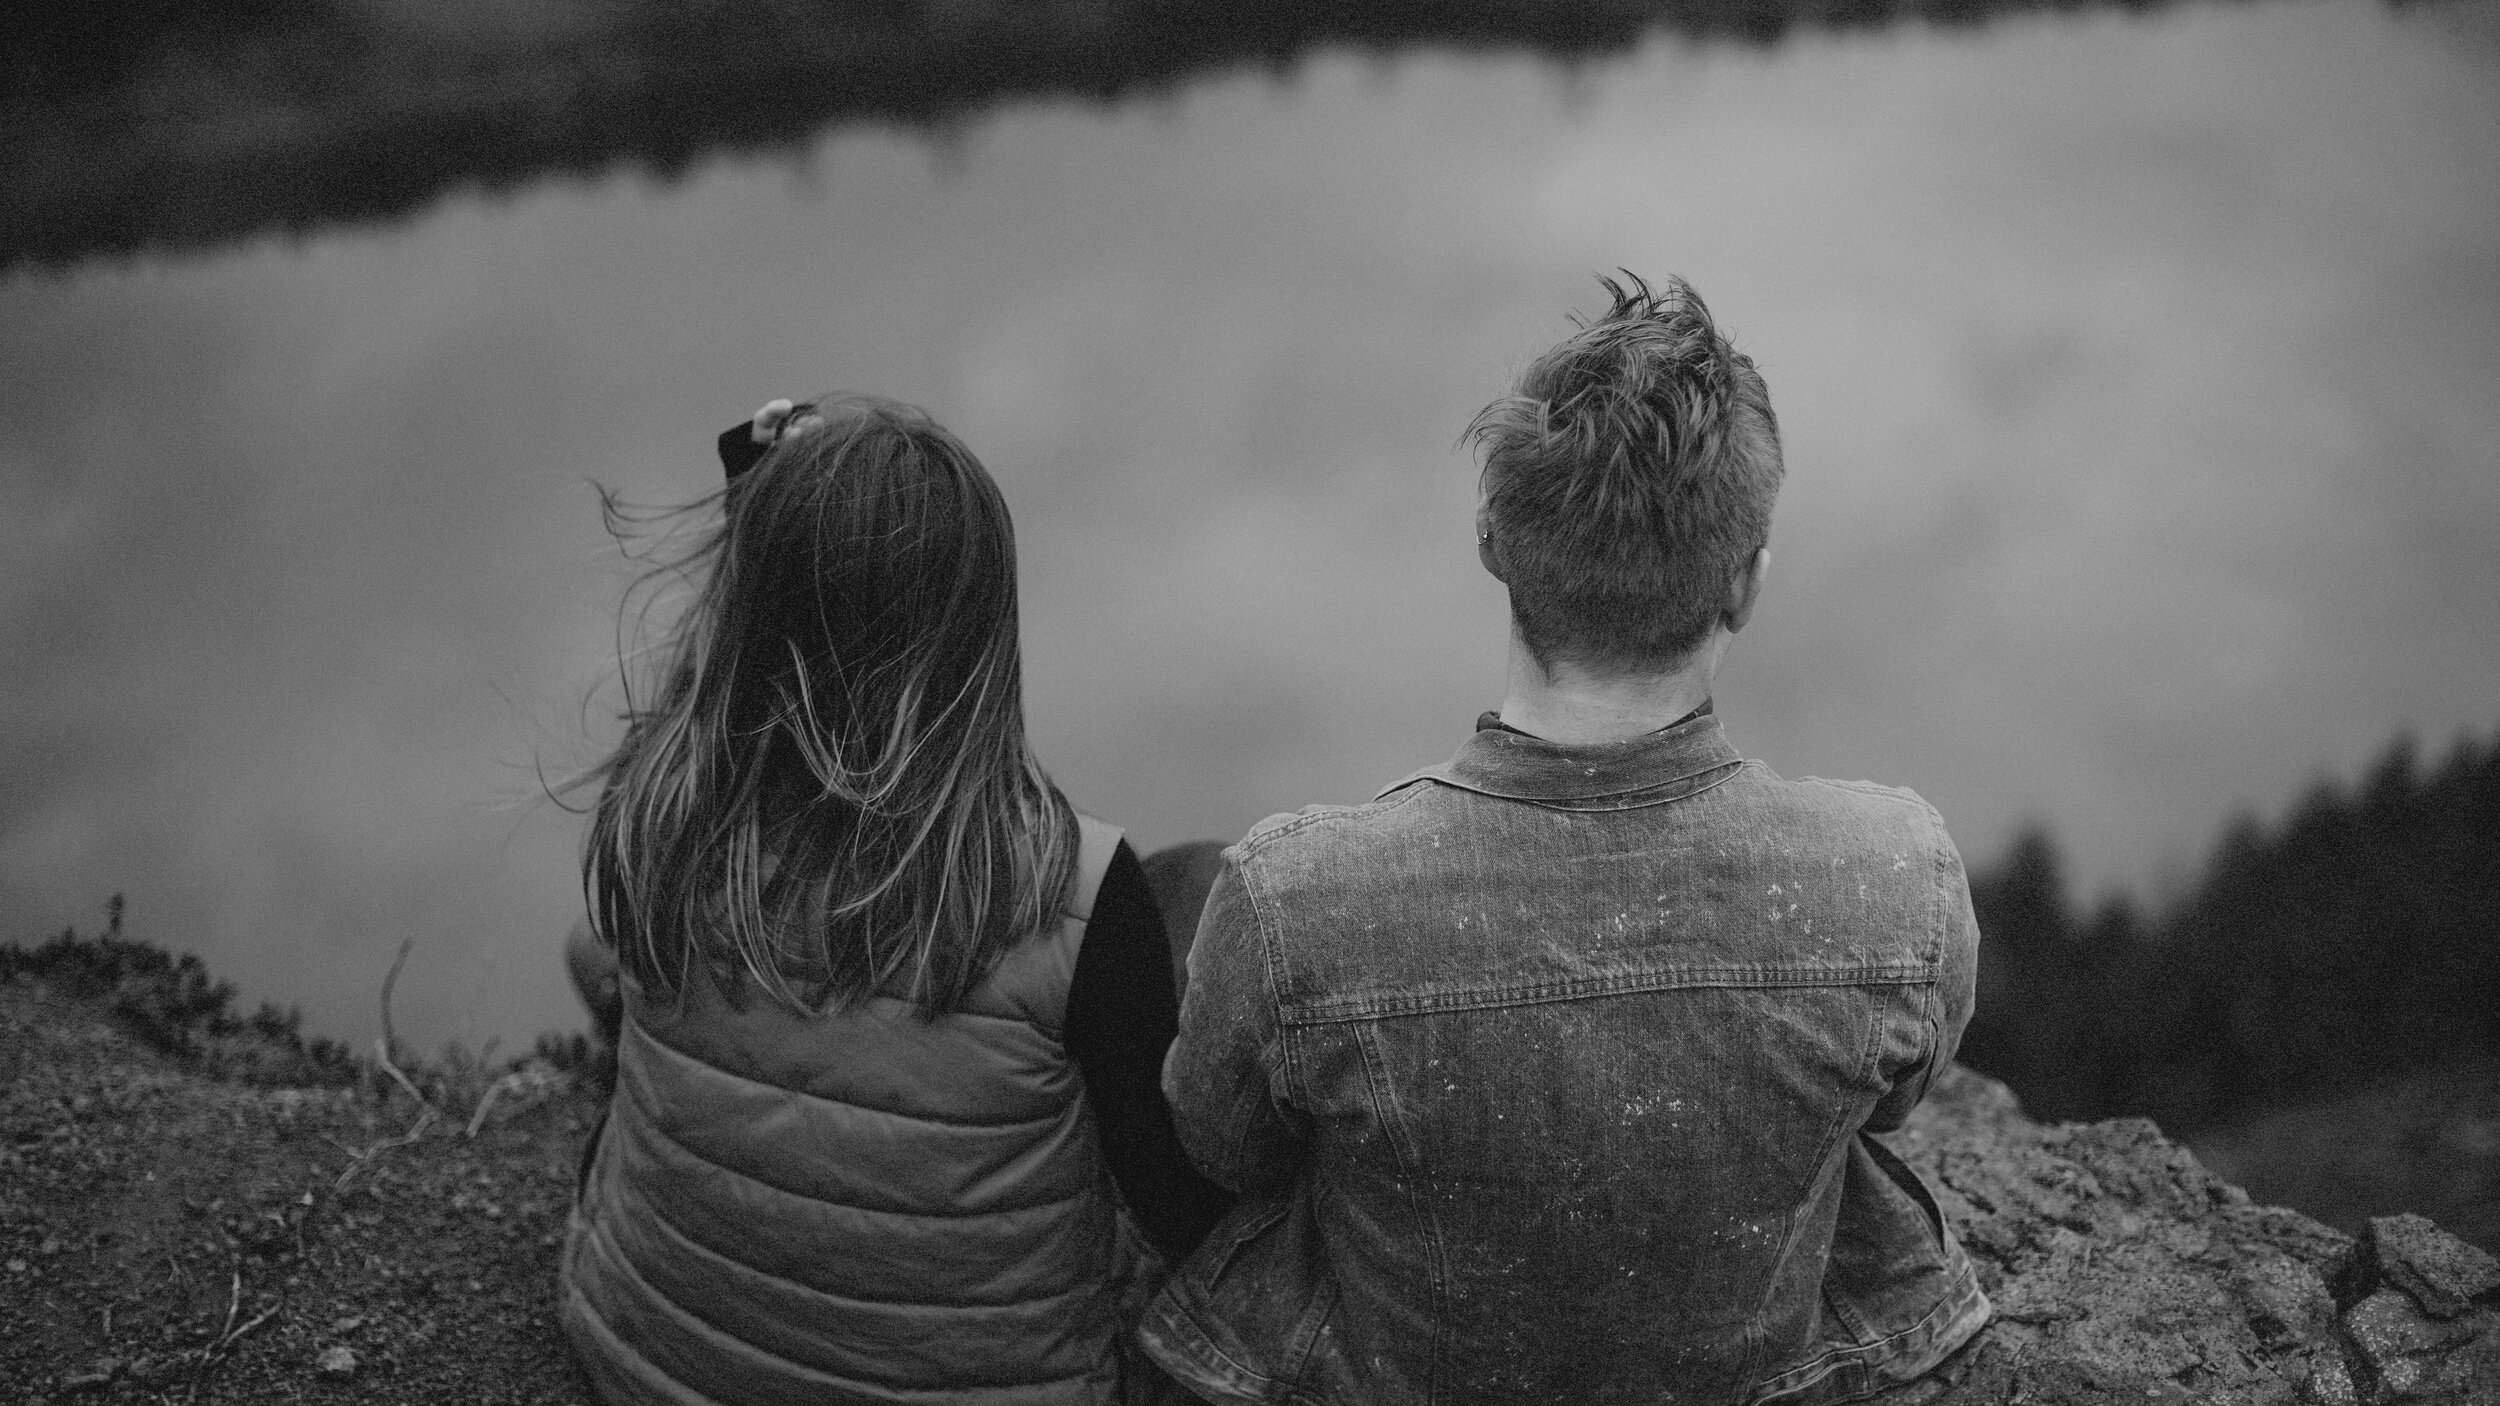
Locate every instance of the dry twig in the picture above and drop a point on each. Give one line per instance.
(382, 1053)
(390, 1041)
(234, 1301)
(257, 1319)
(486, 1101)
(387, 1044)
(211, 1355)
(217, 1352)
(356, 1160)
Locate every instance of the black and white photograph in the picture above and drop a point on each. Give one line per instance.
(1155, 702)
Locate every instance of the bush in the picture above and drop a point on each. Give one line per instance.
(173, 1005)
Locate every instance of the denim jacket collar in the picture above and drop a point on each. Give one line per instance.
(1648, 770)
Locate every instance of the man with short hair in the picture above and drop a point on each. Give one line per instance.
(1548, 1075)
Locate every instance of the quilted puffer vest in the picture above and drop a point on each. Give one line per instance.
(859, 1207)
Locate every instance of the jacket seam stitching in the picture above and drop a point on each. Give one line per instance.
(1757, 1327)
(1259, 839)
(1205, 1345)
(1870, 1353)
(1272, 967)
(1932, 1005)
(1304, 1339)
(1410, 1172)
(1546, 993)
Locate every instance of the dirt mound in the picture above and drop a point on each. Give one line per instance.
(169, 1236)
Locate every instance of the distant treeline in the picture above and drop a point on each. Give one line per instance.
(176, 1008)
(2357, 940)
(154, 125)
(173, 1005)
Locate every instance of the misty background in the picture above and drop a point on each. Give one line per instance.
(2137, 377)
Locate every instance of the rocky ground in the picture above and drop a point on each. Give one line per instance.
(2122, 1270)
(166, 1236)
(170, 1236)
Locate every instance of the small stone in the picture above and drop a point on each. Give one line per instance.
(2435, 1269)
(2287, 1303)
(17, 1266)
(341, 1327)
(2328, 1384)
(2397, 1344)
(99, 1373)
(335, 1364)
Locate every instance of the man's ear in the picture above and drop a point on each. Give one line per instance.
(1746, 589)
(1484, 544)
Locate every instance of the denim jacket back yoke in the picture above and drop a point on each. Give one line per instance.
(1549, 1075)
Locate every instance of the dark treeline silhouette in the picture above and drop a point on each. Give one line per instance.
(149, 125)
(174, 1006)
(2356, 941)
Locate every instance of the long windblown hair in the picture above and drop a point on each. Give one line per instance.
(829, 791)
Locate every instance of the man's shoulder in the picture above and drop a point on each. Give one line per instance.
(1423, 824)
(1410, 805)
(1855, 803)
(1332, 825)
(1329, 847)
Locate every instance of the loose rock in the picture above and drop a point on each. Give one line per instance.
(2441, 1273)
(2123, 1270)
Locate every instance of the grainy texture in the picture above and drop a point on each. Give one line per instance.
(163, 1232)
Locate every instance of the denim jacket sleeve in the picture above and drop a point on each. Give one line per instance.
(1225, 1074)
(1948, 1002)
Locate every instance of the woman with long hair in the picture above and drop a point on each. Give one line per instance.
(887, 1122)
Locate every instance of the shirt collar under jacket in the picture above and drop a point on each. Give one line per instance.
(1493, 718)
(1667, 765)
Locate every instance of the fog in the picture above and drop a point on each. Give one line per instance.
(2137, 375)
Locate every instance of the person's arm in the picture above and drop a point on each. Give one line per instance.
(1225, 1076)
(1121, 1018)
(1949, 1001)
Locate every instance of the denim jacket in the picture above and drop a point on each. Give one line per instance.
(1548, 1076)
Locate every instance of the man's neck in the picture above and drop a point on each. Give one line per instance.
(1570, 704)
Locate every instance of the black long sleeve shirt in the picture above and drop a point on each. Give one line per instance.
(1122, 1016)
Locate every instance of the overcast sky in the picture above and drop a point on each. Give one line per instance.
(2140, 379)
